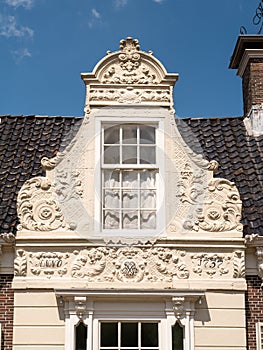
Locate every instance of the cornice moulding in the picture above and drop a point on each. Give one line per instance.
(248, 54)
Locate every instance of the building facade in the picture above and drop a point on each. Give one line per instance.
(130, 228)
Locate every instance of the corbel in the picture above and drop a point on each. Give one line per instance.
(80, 306)
(259, 253)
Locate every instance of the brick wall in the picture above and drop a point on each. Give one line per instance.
(254, 309)
(6, 311)
(252, 84)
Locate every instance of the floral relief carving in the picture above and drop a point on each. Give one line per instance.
(129, 69)
(171, 263)
(211, 264)
(215, 206)
(67, 185)
(89, 263)
(191, 186)
(20, 264)
(239, 265)
(130, 95)
(222, 209)
(130, 264)
(48, 263)
(37, 207)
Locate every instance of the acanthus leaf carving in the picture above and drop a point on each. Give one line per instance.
(170, 263)
(129, 69)
(8, 237)
(67, 185)
(191, 187)
(37, 207)
(239, 265)
(129, 264)
(216, 206)
(20, 263)
(129, 95)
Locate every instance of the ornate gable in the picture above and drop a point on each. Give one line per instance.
(129, 76)
(57, 235)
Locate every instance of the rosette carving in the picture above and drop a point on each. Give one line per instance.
(222, 210)
(216, 206)
(37, 207)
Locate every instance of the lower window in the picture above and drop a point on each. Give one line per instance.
(129, 335)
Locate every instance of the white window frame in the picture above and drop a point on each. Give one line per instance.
(160, 186)
(120, 306)
(259, 335)
(135, 320)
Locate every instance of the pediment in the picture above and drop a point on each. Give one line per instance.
(129, 76)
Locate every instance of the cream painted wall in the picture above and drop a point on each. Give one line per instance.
(219, 320)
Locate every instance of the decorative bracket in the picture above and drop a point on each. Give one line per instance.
(259, 253)
(178, 306)
(183, 304)
(80, 306)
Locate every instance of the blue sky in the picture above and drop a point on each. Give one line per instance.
(46, 44)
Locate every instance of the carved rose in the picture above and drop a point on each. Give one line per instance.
(37, 208)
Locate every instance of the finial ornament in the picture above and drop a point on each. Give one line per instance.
(257, 19)
(129, 44)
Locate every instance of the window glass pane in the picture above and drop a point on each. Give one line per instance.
(111, 219)
(129, 334)
(147, 155)
(111, 199)
(148, 199)
(147, 134)
(112, 135)
(177, 337)
(130, 219)
(109, 334)
(149, 335)
(148, 219)
(111, 155)
(81, 336)
(130, 199)
(111, 178)
(148, 179)
(129, 155)
(130, 179)
(129, 134)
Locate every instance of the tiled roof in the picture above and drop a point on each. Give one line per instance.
(25, 140)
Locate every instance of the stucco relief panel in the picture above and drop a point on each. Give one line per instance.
(114, 265)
